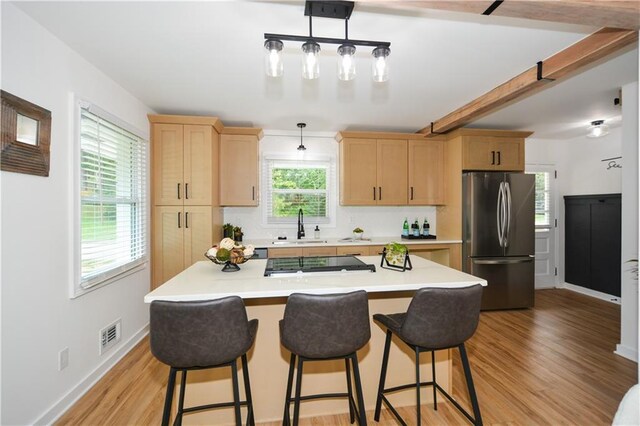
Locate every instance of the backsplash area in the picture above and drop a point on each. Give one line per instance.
(375, 221)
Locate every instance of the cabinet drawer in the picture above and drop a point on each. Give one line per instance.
(352, 250)
(285, 252)
(319, 251)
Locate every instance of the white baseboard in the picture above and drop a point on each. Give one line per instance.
(593, 293)
(60, 407)
(627, 352)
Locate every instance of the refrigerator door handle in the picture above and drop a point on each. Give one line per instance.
(502, 261)
(499, 212)
(507, 191)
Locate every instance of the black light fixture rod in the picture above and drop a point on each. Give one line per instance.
(346, 29)
(310, 27)
(327, 40)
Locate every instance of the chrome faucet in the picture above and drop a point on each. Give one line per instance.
(300, 224)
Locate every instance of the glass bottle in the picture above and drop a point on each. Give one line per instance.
(416, 228)
(425, 228)
(405, 228)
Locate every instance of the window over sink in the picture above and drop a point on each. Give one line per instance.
(291, 185)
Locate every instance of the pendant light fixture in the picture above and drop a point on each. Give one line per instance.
(311, 46)
(598, 129)
(301, 147)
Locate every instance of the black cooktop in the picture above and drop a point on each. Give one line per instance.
(293, 265)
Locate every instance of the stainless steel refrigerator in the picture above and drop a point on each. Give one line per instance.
(498, 236)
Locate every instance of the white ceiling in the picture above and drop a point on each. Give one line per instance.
(207, 58)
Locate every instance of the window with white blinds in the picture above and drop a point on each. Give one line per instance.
(292, 185)
(113, 192)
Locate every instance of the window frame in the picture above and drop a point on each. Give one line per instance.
(307, 160)
(78, 287)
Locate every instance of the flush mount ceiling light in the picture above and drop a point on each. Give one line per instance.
(597, 129)
(301, 147)
(311, 47)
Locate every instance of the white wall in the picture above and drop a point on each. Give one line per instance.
(38, 317)
(628, 346)
(385, 221)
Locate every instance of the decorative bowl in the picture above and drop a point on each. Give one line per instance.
(230, 265)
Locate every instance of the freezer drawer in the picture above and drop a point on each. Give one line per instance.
(510, 281)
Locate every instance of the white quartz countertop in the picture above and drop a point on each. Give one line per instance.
(319, 242)
(205, 280)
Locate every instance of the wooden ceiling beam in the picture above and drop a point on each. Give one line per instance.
(563, 63)
(596, 13)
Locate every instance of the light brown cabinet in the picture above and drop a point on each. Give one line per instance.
(181, 236)
(185, 218)
(426, 172)
(492, 153)
(183, 159)
(390, 169)
(239, 166)
(285, 252)
(359, 250)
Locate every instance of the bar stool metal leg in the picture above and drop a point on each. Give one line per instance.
(433, 375)
(417, 350)
(383, 375)
(247, 390)
(183, 386)
(470, 387)
(296, 403)
(168, 399)
(286, 418)
(350, 399)
(362, 420)
(236, 393)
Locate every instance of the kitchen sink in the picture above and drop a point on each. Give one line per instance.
(283, 242)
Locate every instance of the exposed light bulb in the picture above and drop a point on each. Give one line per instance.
(597, 129)
(273, 58)
(346, 62)
(310, 65)
(380, 66)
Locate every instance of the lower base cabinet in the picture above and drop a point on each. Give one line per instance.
(593, 227)
(181, 236)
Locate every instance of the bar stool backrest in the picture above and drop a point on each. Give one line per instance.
(440, 318)
(199, 333)
(325, 326)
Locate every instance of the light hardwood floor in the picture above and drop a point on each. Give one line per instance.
(553, 364)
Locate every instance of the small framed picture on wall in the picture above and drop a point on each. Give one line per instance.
(26, 136)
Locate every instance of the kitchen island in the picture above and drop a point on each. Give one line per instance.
(265, 298)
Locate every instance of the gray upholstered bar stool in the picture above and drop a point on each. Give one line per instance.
(325, 327)
(199, 335)
(437, 318)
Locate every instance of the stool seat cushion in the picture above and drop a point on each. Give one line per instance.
(325, 326)
(392, 321)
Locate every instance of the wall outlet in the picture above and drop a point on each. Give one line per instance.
(63, 359)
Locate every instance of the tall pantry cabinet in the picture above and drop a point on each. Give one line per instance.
(186, 211)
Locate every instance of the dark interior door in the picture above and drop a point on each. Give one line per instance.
(606, 253)
(577, 242)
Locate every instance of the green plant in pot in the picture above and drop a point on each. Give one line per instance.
(227, 230)
(237, 233)
(357, 233)
(395, 253)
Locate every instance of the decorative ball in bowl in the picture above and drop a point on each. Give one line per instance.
(230, 254)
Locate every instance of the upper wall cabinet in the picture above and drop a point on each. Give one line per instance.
(184, 160)
(239, 166)
(390, 169)
(426, 172)
(493, 153)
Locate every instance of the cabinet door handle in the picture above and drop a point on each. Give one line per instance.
(498, 158)
(178, 191)
(179, 225)
(380, 193)
(186, 220)
(186, 191)
(374, 193)
(253, 193)
(412, 192)
(493, 158)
